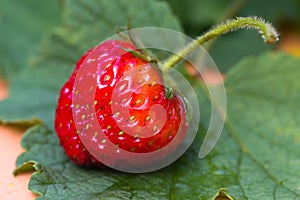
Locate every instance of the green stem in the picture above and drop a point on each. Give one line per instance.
(267, 31)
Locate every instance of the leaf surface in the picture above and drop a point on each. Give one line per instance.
(23, 24)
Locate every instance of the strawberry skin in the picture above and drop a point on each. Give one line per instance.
(130, 103)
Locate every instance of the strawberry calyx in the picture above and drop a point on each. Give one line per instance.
(141, 55)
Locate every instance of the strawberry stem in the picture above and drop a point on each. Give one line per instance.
(267, 31)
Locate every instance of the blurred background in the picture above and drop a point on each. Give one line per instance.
(198, 16)
(23, 24)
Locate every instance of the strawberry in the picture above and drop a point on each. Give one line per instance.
(132, 107)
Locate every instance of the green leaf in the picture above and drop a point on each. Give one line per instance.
(27, 166)
(33, 96)
(42, 146)
(34, 90)
(107, 16)
(263, 118)
(23, 24)
(257, 156)
(56, 176)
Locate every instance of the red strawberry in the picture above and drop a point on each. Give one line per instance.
(132, 107)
